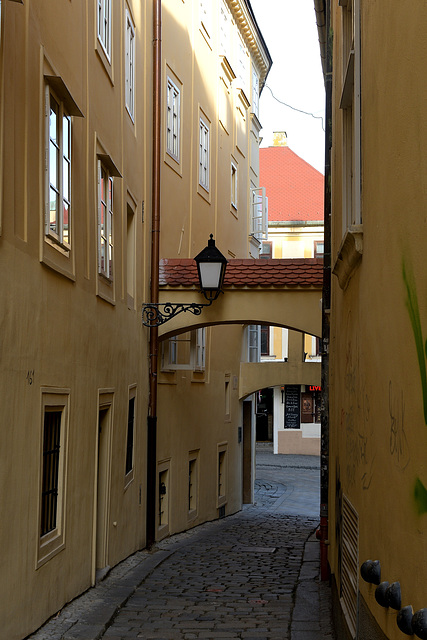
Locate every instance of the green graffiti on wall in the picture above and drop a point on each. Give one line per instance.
(420, 495)
(420, 492)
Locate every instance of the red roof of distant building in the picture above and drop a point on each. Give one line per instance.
(294, 188)
(289, 272)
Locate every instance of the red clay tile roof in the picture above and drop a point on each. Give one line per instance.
(294, 188)
(302, 272)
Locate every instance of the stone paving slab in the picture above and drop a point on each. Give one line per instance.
(251, 575)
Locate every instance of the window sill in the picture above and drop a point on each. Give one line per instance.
(349, 255)
(56, 258)
(50, 545)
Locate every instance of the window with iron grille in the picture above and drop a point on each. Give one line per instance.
(130, 436)
(50, 474)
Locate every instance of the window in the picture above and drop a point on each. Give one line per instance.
(227, 397)
(222, 475)
(199, 355)
(206, 16)
(203, 154)
(234, 185)
(105, 222)
(192, 483)
(131, 255)
(130, 68)
(50, 477)
(242, 66)
(185, 351)
(255, 93)
(351, 106)
(319, 248)
(163, 502)
(52, 474)
(265, 340)
(58, 168)
(130, 435)
(224, 30)
(253, 343)
(259, 219)
(173, 120)
(104, 25)
(266, 250)
(163, 497)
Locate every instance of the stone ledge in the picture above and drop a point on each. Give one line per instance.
(349, 255)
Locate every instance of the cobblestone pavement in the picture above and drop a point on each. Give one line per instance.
(253, 575)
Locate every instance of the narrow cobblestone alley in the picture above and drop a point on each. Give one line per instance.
(253, 575)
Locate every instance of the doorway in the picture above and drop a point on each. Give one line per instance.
(102, 492)
(264, 415)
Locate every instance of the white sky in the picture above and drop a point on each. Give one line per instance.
(290, 33)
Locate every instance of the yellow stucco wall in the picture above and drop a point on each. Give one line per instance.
(378, 420)
(74, 337)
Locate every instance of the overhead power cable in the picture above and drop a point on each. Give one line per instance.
(294, 108)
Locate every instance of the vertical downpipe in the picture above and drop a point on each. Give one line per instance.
(154, 298)
(326, 306)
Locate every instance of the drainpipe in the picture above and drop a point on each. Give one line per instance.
(323, 24)
(154, 298)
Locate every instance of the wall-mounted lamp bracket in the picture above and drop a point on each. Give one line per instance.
(211, 266)
(153, 315)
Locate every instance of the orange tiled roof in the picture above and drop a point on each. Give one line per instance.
(287, 272)
(294, 188)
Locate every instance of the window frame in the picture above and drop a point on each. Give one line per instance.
(265, 340)
(196, 341)
(53, 541)
(193, 484)
(104, 20)
(205, 16)
(222, 474)
(316, 252)
(259, 214)
(350, 104)
(130, 66)
(224, 30)
(254, 330)
(255, 92)
(106, 270)
(56, 236)
(198, 351)
(130, 437)
(234, 185)
(204, 154)
(173, 119)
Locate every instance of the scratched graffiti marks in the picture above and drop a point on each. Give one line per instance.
(355, 420)
(398, 441)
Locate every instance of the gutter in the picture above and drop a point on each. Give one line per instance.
(154, 298)
(322, 8)
(295, 223)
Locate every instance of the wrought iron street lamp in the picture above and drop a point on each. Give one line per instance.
(211, 265)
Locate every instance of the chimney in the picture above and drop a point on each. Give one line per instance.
(280, 139)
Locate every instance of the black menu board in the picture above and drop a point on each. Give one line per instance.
(292, 406)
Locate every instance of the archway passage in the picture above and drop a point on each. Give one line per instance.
(285, 292)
